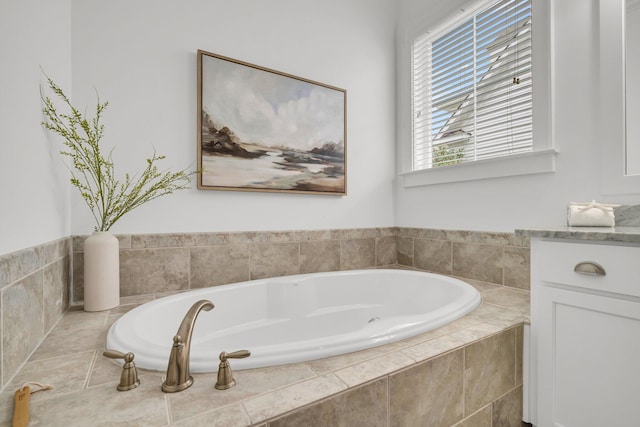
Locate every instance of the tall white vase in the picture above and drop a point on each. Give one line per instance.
(101, 272)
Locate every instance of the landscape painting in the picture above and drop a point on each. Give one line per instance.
(264, 130)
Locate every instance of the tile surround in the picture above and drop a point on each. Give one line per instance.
(56, 291)
(499, 258)
(386, 251)
(319, 256)
(482, 418)
(478, 261)
(274, 259)
(516, 267)
(405, 246)
(153, 265)
(34, 294)
(489, 370)
(22, 320)
(358, 406)
(230, 262)
(168, 262)
(433, 255)
(357, 253)
(228, 416)
(441, 380)
(71, 410)
(381, 382)
(435, 392)
(507, 410)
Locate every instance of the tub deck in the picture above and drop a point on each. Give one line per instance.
(70, 358)
(296, 318)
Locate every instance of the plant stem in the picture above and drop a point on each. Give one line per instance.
(108, 199)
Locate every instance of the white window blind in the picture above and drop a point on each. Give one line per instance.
(472, 88)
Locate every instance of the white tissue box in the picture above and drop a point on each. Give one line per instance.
(591, 215)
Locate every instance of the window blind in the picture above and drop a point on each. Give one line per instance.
(472, 89)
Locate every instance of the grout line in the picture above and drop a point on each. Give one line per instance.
(413, 252)
(464, 388)
(92, 365)
(190, 272)
(42, 307)
(515, 355)
(250, 248)
(299, 255)
(244, 408)
(502, 267)
(388, 400)
(451, 243)
(167, 407)
(375, 251)
(491, 412)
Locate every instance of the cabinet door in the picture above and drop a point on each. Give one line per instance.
(588, 355)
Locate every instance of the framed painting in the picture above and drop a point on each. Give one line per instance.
(265, 130)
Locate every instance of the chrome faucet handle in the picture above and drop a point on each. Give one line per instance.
(225, 376)
(129, 377)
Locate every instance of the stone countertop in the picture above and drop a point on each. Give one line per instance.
(70, 358)
(600, 234)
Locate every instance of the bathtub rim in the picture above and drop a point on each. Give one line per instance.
(160, 358)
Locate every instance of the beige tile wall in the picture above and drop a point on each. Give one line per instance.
(170, 262)
(477, 385)
(36, 284)
(500, 258)
(34, 294)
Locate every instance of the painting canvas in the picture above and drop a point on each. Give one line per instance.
(264, 130)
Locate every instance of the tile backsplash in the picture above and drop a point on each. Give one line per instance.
(38, 284)
(500, 258)
(34, 285)
(171, 262)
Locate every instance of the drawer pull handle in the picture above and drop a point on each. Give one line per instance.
(590, 268)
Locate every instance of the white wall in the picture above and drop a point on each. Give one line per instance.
(34, 194)
(632, 72)
(523, 201)
(141, 57)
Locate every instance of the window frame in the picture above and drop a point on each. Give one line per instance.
(542, 157)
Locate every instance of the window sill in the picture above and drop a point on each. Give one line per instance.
(542, 161)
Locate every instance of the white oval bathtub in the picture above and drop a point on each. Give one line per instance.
(295, 318)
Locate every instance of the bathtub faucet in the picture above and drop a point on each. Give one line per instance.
(178, 377)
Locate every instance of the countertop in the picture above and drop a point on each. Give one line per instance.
(599, 234)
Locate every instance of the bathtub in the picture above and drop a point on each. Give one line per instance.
(293, 319)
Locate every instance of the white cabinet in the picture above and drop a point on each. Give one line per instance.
(585, 334)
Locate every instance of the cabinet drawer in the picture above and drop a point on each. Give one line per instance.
(554, 261)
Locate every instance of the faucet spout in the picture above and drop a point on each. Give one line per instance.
(178, 377)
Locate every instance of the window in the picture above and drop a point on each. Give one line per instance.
(472, 87)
